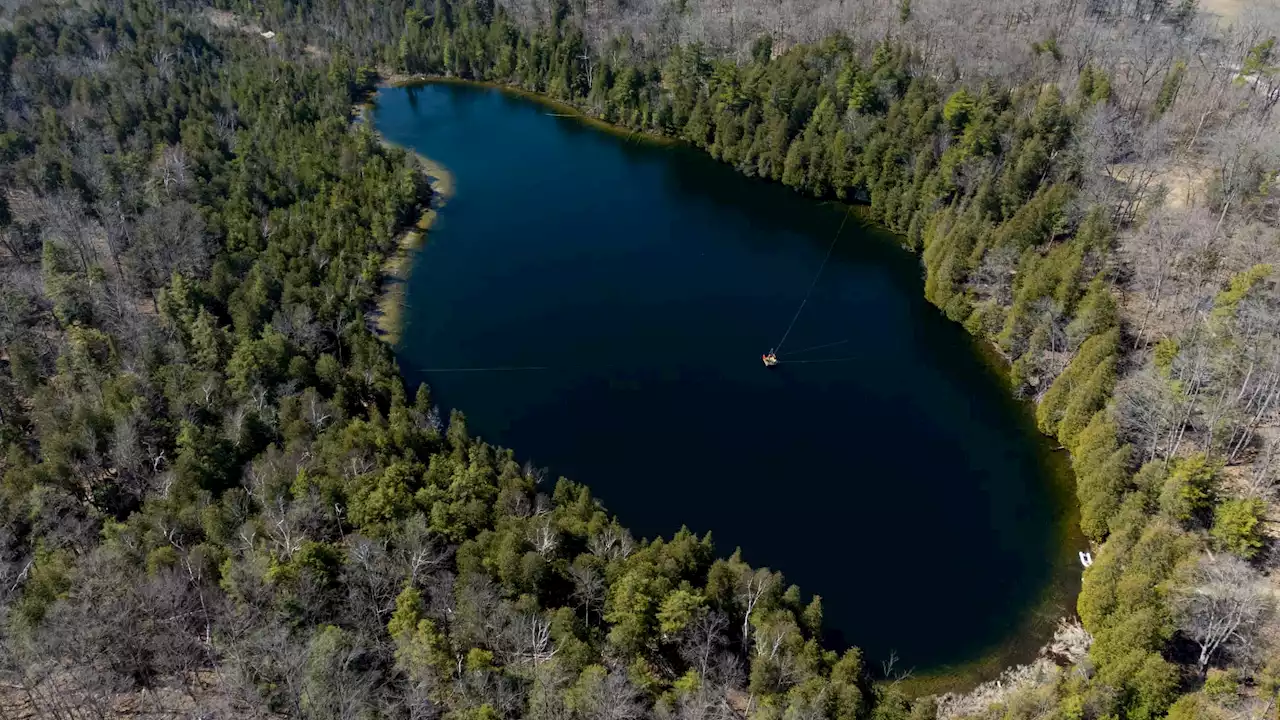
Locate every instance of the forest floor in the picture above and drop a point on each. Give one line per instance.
(1230, 9)
(230, 21)
(61, 694)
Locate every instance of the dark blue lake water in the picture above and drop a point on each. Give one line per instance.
(898, 479)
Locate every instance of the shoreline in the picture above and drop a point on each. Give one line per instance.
(1032, 645)
(563, 109)
(387, 318)
(1034, 632)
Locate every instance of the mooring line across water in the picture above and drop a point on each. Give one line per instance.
(829, 360)
(539, 368)
(507, 368)
(818, 347)
(813, 284)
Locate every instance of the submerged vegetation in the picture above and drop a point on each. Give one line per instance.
(217, 488)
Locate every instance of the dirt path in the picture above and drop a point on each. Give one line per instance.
(230, 21)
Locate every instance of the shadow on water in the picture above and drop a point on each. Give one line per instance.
(900, 481)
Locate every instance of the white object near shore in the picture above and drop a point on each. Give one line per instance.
(1086, 559)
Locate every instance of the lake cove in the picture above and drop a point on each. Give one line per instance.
(601, 305)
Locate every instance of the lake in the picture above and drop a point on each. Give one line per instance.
(610, 300)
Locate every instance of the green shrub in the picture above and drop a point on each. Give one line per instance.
(1237, 526)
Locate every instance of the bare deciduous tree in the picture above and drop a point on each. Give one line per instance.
(612, 543)
(1161, 254)
(703, 641)
(1222, 607)
(588, 589)
(752, 587)
(170, 238)
(611, 696)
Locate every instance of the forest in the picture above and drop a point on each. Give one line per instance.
(219, 498)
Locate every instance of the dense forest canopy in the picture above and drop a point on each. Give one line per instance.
(216, 489)
(218, 497)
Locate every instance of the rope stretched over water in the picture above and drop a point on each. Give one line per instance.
(508, 368)
(829, 360)
(537, 368)
(817, 347)
(813, 284)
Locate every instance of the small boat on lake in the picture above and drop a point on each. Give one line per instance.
(770, 359)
